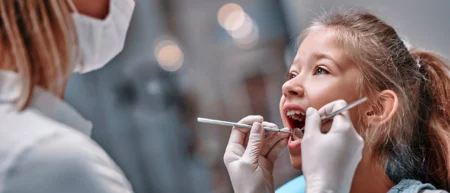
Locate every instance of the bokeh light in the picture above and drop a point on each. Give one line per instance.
(250, 40)
(231, 16)
(244, 30)
(169, 55)
(239, 25)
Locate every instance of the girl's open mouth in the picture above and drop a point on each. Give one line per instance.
(296, 119)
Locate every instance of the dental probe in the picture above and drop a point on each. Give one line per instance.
(227, 123)
(283, 130)
(349, 106)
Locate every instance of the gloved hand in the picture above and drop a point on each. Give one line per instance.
(330, 160)
(249, 157)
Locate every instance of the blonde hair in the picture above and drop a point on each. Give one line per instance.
(38, 41)
(415, 143)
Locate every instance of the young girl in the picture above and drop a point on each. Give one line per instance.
(406, 122)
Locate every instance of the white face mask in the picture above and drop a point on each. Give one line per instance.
(101, 40)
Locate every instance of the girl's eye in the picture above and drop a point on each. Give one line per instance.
(320, 70)
(291, 75)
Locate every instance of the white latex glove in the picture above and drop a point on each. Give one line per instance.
(329, 160)
(249, 157)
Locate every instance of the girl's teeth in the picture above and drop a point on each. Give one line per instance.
(289, 113)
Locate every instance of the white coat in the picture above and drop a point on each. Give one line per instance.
(47, 148)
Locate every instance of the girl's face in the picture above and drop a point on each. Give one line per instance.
(321, 73)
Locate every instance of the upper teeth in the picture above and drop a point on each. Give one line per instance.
(293, 112)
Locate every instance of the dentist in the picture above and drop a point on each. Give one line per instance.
(44, 143)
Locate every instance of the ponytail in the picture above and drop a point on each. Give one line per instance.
(434, 115)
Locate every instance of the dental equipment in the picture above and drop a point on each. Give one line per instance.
(226, 123)
(283, 130)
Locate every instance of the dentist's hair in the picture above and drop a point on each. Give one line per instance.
(38, 41)
(415, 142)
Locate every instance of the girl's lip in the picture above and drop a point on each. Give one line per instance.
(294, 144)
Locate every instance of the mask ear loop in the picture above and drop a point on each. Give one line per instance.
(72, 6)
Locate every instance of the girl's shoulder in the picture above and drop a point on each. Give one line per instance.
(414, 186)
(298, 185)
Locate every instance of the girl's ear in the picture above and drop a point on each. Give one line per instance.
(384, 109)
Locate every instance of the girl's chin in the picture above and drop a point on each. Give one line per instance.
(296, 161)
(296, 165)
(295, 152)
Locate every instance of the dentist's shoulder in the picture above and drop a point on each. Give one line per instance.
(55, 157)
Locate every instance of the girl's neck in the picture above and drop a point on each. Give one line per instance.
(370, 176)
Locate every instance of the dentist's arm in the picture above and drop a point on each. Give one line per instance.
(65, 164)
(98, 8)
(329, 160)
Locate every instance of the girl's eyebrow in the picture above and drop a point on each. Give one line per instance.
(319, 55)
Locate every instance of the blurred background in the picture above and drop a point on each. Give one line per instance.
(216, 59)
